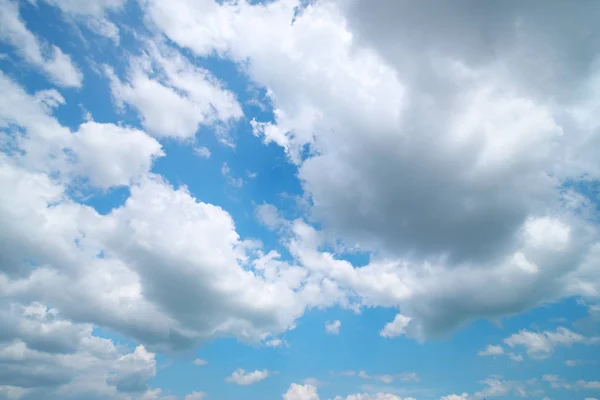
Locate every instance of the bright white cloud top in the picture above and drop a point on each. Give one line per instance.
(299, 192)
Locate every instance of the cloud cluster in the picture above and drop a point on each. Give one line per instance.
(48, 58)
(450, 163)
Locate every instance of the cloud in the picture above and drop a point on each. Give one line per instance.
(241, 377)
(274, 342)
(45, 356)
(301, 392)
(103, 153)
(268, 215)
(46, 57)
(226, 172)
(202, 152)
(172, 96)
(463, 396)
(333, 327)
(495, 386)
(557, 382)
(199, 361)
(385, 378)
(444, 219)
(372, 396)
(309, 392)
(491, 350)
(542, 344)
(93, 14)
(395, 328)
(195, 396)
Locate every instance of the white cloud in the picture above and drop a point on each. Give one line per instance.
(241, 377)
(116, 270)
(309, 392)
(274, 342)
(491, 350)
(372, 396)
(195, 396)
(542, 344)
(385, 378)
(231, 180)
(515, 357)
(301, 392)
(172, 96)
(333, 327)
(269, 216)
(93, 14)
(395, 328)
(202, 152)
(494, 386)
(463, 396)
(390, 190)
(106, 154)
(199, 361)
(46, 57)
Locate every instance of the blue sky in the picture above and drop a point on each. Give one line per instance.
(344, 200)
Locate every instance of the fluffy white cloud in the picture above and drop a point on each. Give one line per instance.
(199, 361)
(172, 96)
(463, 396)
(202, 152)
(301, 392)
(309, 392)
(333, 327)
(241, 377)
(492, 350)
(105, 154)
(46, 57)
(542, 344)
(120, 269)
(195, 396)
(395, 328)
(444, 160)
(268, 215)
(374, 396)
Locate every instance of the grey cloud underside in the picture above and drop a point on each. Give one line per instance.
(442, 136)
(413, 193)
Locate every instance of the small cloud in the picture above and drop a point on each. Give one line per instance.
(276, 342)
(251, 175)
(333, 328)
(268, 215)
(226, 172)
(243, 378)
(313, 381)
(515, 357)
(195, 396)
(395, 328)
(202, 152)
(491, 350)
(199, 361)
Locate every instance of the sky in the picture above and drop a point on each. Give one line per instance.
(299, 200)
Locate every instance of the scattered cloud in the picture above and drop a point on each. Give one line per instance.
(492, 350)
(243, 378)
(395, 328)
(48, 58)
(542, 344)
(202, 152)
(333, 327)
